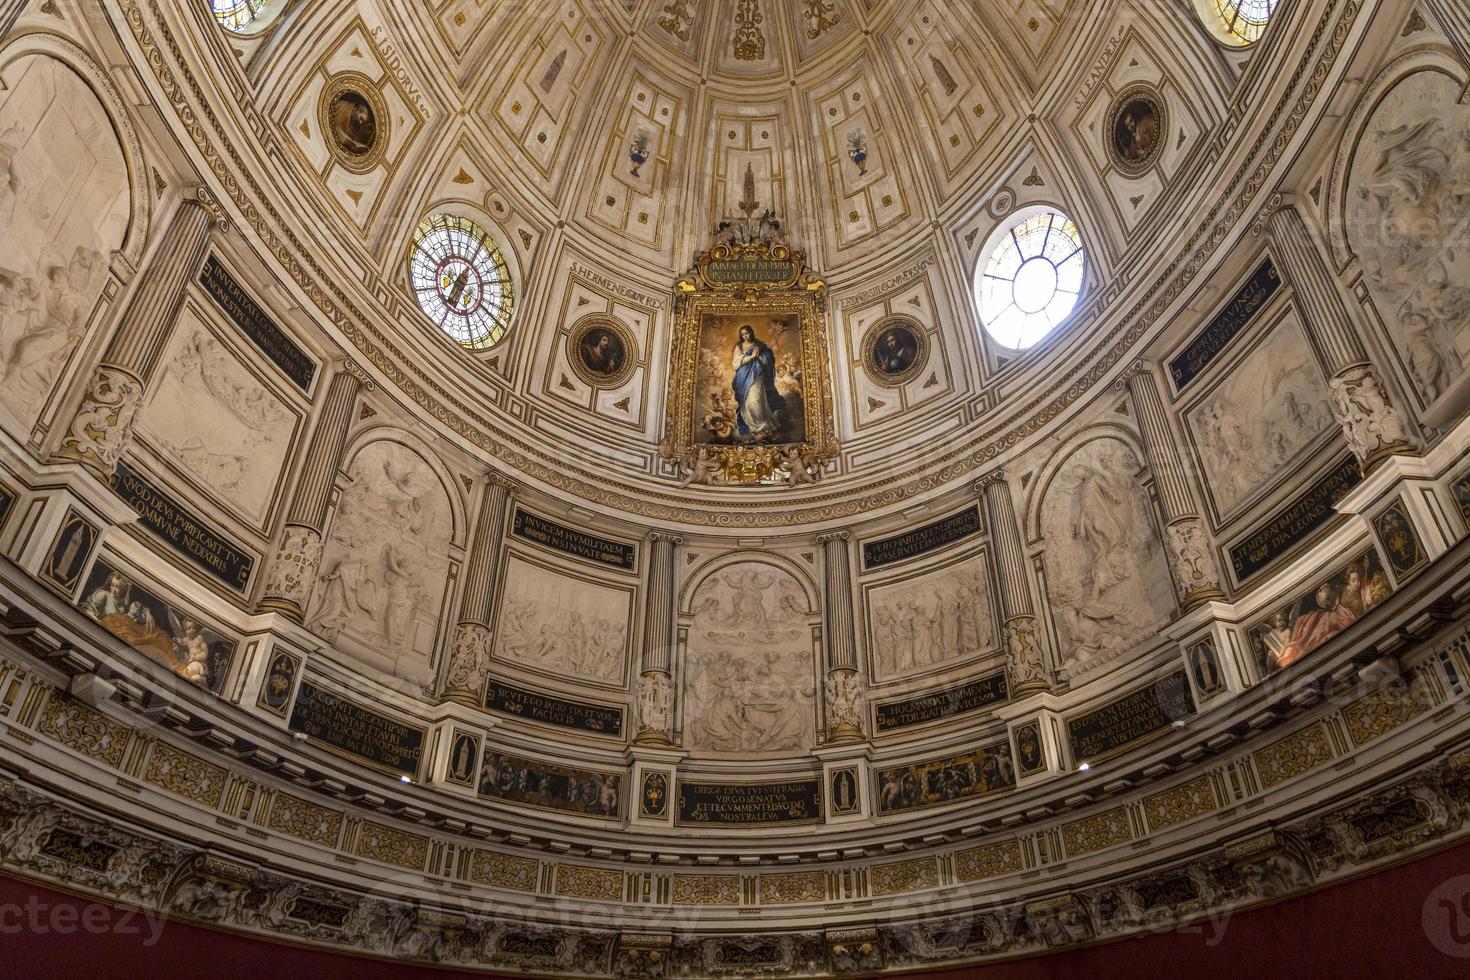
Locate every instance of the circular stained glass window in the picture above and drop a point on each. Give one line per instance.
(1244, 21)
(1032, 278)
(236, 15)
(461, 279)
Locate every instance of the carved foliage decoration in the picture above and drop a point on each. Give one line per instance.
(1105, 568)
(384, 567)
(748, 683)
(1407, 210)
(64, 208)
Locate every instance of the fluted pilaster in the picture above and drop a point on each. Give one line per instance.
(468, 662)
(843, 688)
(1191, 558)
(1452, 17)
(294, 566)
(1025, 664)
(655, 683)
(1373, 427)
(102, 428)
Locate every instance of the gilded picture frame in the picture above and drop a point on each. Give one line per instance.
(749, 398)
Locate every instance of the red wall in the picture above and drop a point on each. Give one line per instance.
(1377, 927)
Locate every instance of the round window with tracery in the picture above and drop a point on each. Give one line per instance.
(237, 15)
(461, 280)
(1031, 279)
(1244, 21)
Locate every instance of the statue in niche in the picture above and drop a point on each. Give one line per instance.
(1106, 570)
(385, 566)
(1408, 214)
(934, 619)
(748, 676)
(64, 208)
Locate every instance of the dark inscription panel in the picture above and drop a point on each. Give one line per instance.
(256, 324)
(769, 271)
(184, 532)
(922, 540)
(578, 544)
(1292, 526)
(949, 703)
(1214, 338)
(598, 719)
(1132, 718)
(750, 804)
(356, 731)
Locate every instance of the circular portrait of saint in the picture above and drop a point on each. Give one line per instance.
(354, 121)
(1137, 129)
(601, 351)
(894, 351)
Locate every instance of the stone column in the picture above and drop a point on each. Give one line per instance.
(1452, 17)
(843, 689)
(469, 651)
(1025, 664)
(1196, 574)
(1373, 427)
(294, 567)
(103, 425)
(655, 680)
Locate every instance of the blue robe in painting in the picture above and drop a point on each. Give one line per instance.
(759, 406)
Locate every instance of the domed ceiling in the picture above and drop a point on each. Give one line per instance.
(603, 144)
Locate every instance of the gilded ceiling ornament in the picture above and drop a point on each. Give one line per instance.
(678, 18)
(750, 42)
(821, 16)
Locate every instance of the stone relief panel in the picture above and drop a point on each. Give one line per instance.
(1106, 573)
(748, 674)
(940, 617)
(216, 420)
(64, 209)
(1270, 407)
(1408, 211)
(385, 569)
(562, 624)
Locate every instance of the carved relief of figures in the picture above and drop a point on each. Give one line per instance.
(216, 420)
(655, 705)
(561, 624)
(384, 566)
(1272, 405)
(1408, 212)
(932, 619)
(844, 703)
(1106, 572)
(64, 209)
(748, 677)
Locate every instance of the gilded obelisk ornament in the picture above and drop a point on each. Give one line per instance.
(749, 398)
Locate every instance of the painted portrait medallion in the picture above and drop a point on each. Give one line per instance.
(1137, 127)
(601, 351)
(894, 351)
(354, 121)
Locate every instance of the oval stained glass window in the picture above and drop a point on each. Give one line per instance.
(1031, 279)
(1244, 21)
(236, 15)
(461, 280)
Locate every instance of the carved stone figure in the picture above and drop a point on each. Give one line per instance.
(1106, 570)
(1270, 407)
(844, 704)
(700, 469)
(1369, 423)
(293, 574)
(1408, 204)
(1024, 661)
(748, 678)
(385, 565)
(64, 208)
(469, 661)
(655, 706)
(104, 423)
(1192, 561)
(561, 624)
(933, 619)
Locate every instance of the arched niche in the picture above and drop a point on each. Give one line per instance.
(1402, 202)
(749, 669)
(382, 592)
(1107, 579)
(67, 209)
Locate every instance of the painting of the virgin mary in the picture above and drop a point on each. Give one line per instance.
(758, 405)
(749, 389)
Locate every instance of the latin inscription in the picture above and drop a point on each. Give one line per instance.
(578, 544)
(184, 532)
(774, 271)
(256, 324)
(1290, 527)
(356, 731)
(949, 703)
(750, 804)
(921, 540)
(1131, 718)
(595, 718)
(1259, 288)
